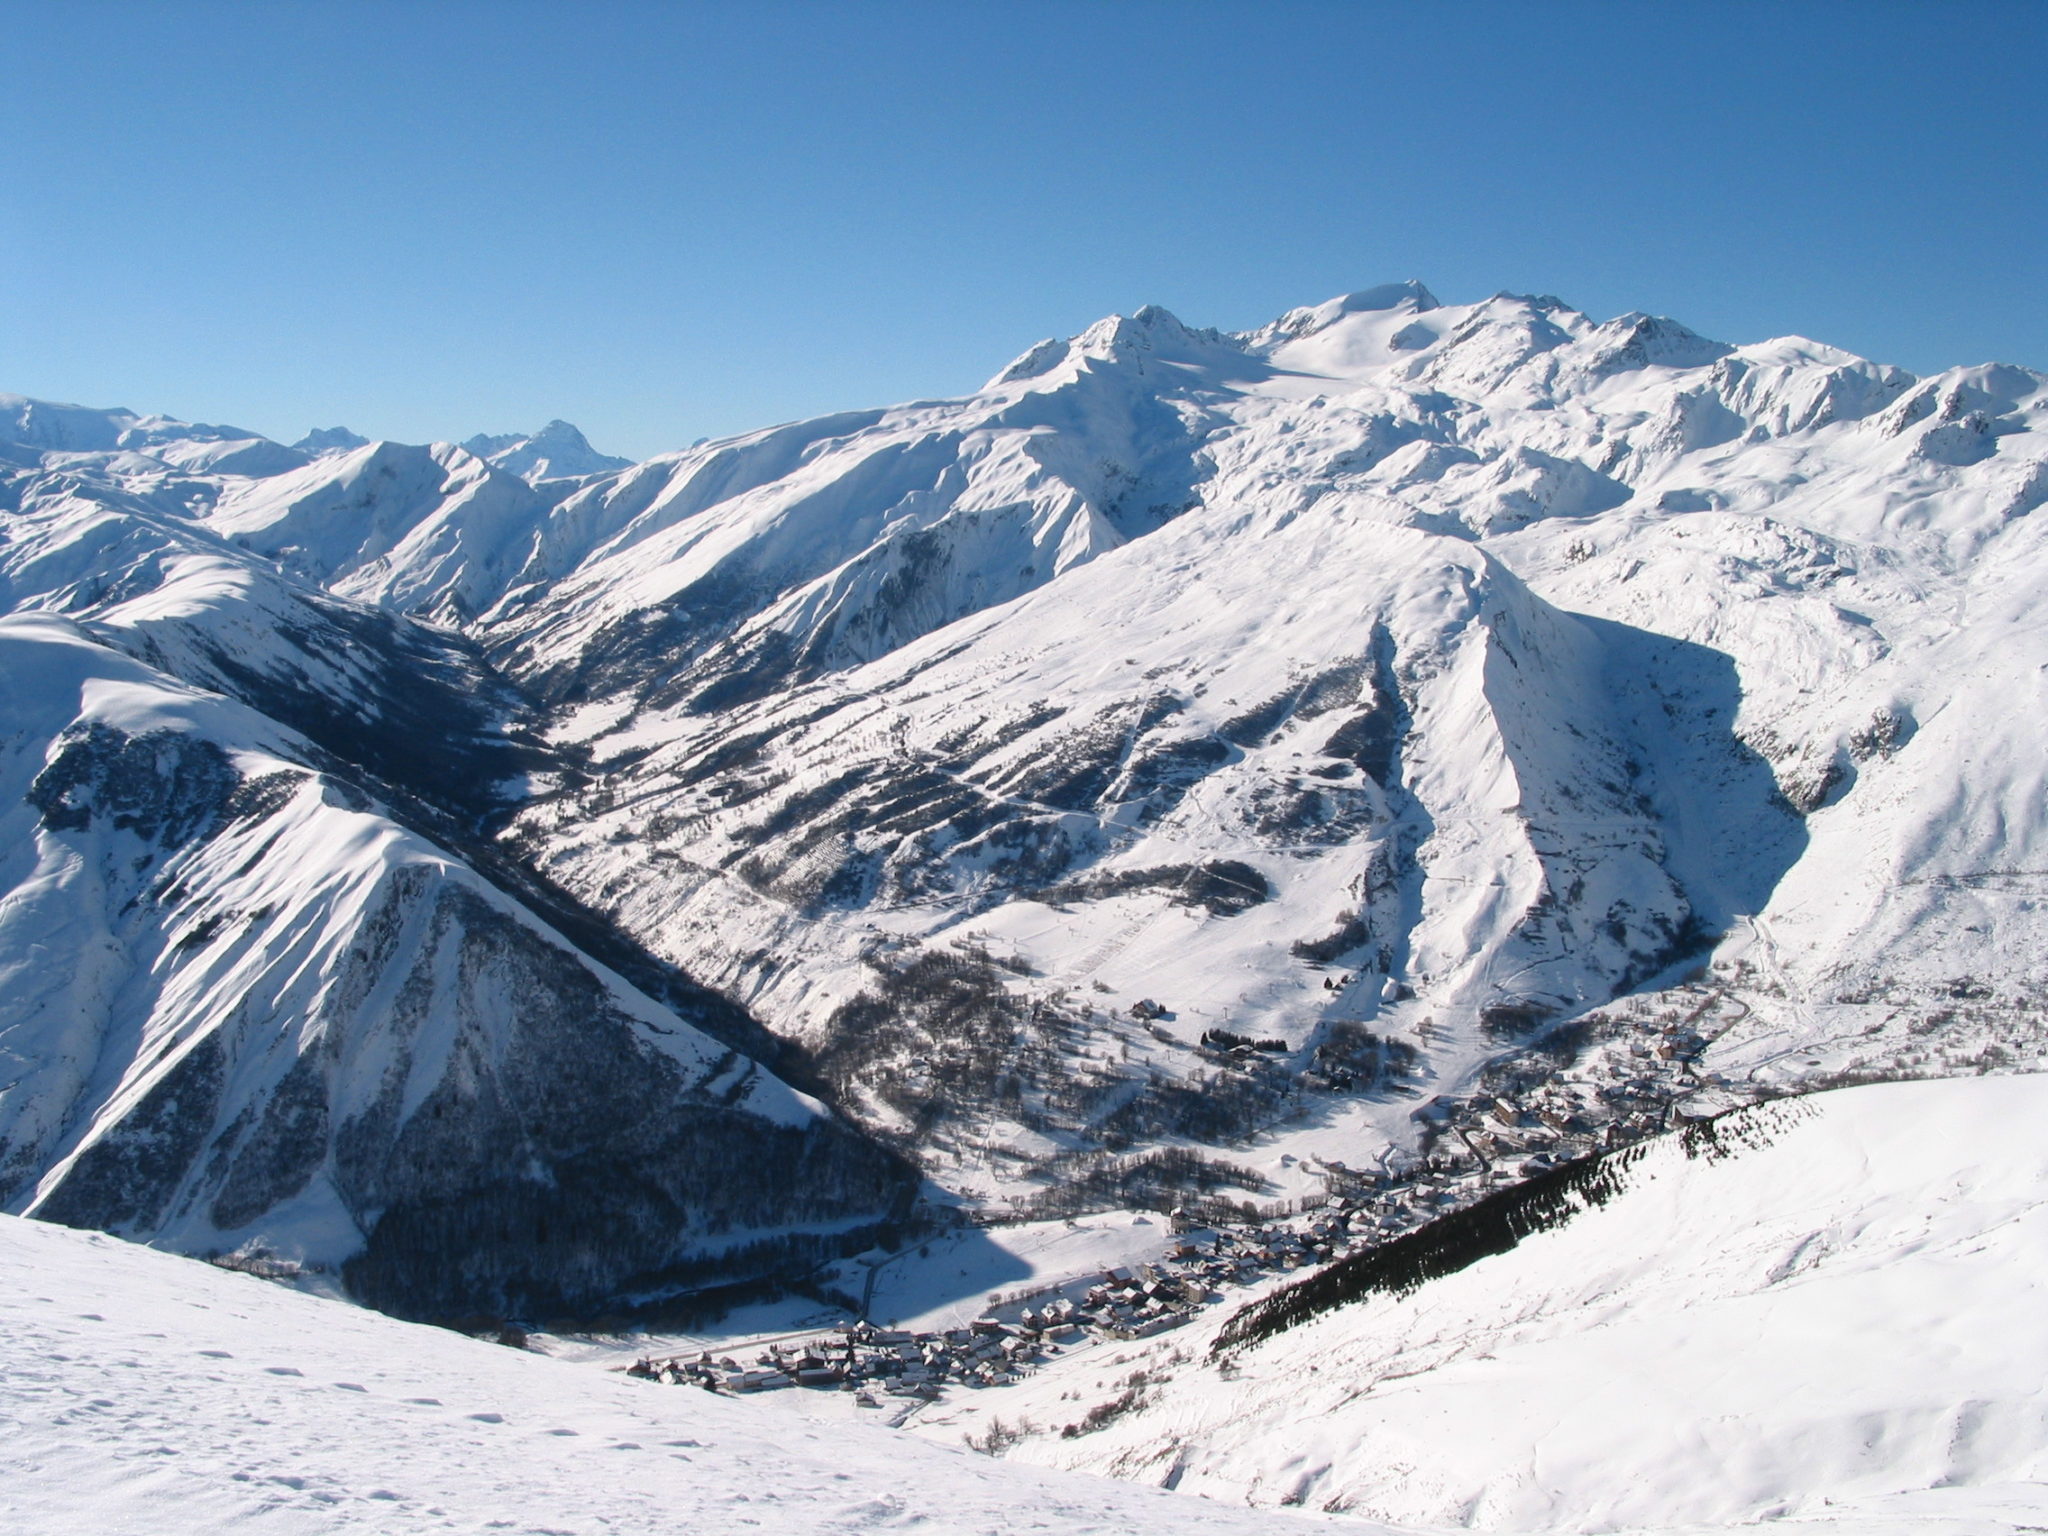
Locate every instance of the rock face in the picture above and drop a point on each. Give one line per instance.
(1397, 684)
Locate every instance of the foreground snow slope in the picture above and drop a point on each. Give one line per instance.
(149, 1393)
(1838, 1309)
(1837, 1329)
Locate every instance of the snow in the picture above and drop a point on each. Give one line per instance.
(954, 1283)
(941, 1282)
(147, 1392)
(1633, 581)
(1838, 553)
(1836, 1323)
(326, 440)
(557, 451)
(1842, 1323)
(256, 941)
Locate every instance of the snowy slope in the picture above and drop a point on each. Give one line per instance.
(242, 1009)
(1166, 775)
(34, 431)
(1829, 1324)
(149, 1393)
(411, 704)
(434, 530)
(1837, 1329)
(1833, 1312)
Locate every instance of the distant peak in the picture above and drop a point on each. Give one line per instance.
(1637, 340)
(330, 440)
(1140, 328)
(1149, 328)
(484, 444)
(1150, 315)
(558, 450)
(1545, 303)
(1389, 296)
(1410, 296)
(1038, 359)
(560, 431)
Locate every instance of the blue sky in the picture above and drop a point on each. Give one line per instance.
(670, 221)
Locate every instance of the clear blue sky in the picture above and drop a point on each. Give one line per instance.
(666, 221)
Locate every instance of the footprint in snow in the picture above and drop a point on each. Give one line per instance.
(349, 1386)
(488, 1418)
(425, 1402)
(283, 1370)
(561, 1431)
(216, 1354)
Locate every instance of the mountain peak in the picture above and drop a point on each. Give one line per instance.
(1409, 297)
(1148, 329)
(331, 440)
(1389, 296)
(1636, 340)
(558, 451)
(563, 433)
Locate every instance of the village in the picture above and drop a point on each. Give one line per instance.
(1635, 1073)
(1021, 1332)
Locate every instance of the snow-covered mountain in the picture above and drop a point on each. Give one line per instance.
(330, 440)
(268, 990)
(1503, 658)
(556, 452)
(1025, 771)
(248, 1011)
(43, 434)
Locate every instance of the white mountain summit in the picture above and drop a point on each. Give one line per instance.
(556, 452)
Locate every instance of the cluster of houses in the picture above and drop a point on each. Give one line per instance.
(1525, 1117)
(1515, 1125)
(1021, 1331)
(859, 1357)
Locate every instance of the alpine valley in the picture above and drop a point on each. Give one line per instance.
(1406, 756)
